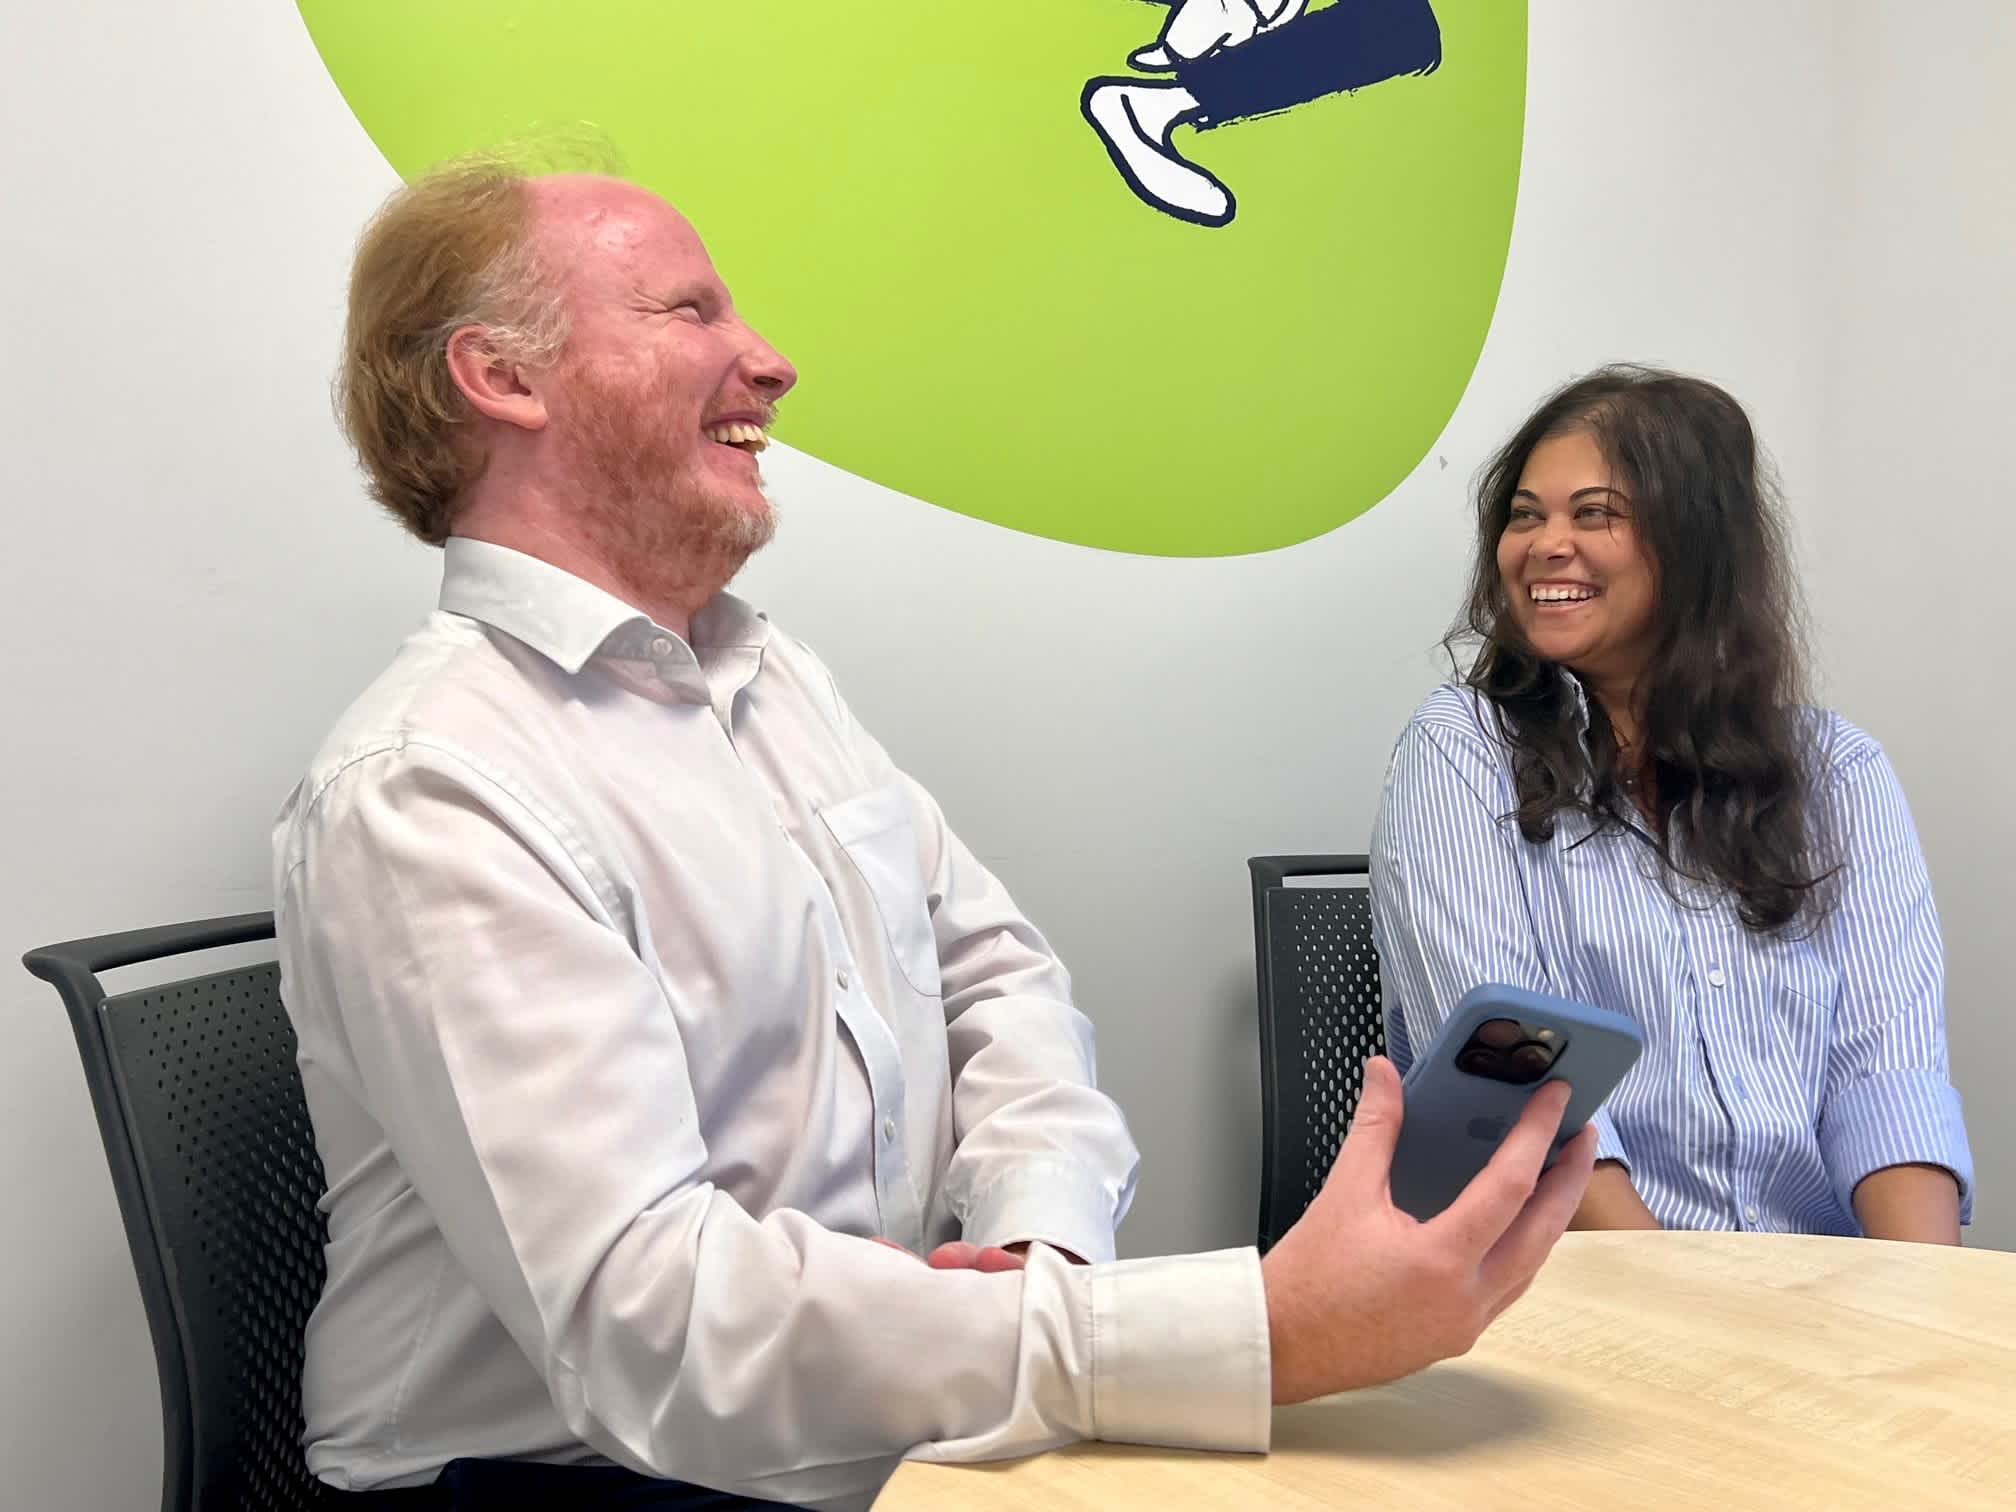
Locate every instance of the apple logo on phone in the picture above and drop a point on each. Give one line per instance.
(1491, 1128)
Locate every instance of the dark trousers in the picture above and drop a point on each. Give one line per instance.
(468, 1485)
(1346, 46)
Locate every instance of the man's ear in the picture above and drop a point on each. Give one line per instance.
(494, 388)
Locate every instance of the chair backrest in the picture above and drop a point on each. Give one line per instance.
(1320, 1019)
(200, 1107)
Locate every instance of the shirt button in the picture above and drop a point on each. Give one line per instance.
(1715, 977)
(1750, 1212)
(840, 980)
(888, 1128)
(661, 647)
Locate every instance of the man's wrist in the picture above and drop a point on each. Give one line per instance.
(1021, 1247)
(1056, 1203)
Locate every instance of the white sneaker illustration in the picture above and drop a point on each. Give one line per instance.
(1135, 118)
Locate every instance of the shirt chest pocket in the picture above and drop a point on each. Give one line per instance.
(1803, 991)
(875, 833)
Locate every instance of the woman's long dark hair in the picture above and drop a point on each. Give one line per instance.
(1723, 739)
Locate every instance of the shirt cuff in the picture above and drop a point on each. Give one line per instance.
(1180, 1355)
(1051, 1201)
(1608, 1145)
(1895, 1118)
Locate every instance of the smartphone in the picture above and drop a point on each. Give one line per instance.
(1465, 1091)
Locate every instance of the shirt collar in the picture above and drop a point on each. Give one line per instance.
(569, 620)
(1578, 700)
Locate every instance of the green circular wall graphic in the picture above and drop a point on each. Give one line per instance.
(1187, 279)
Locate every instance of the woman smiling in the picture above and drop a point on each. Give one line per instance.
(1627, 802)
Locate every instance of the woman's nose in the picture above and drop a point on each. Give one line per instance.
(1555, 540)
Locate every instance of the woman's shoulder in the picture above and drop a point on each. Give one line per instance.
(1838, 747)
(1458, 709)
(1455, 719)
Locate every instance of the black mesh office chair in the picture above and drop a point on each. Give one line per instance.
(200, 1107)
(1319, 1021)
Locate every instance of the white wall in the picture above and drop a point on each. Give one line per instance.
(191, 584)
(1910, 517)
(188, 584)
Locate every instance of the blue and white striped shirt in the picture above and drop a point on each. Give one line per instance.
(1777, 1072)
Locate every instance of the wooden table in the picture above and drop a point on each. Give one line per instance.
(1723, 1371)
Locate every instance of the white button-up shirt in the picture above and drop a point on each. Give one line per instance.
(635, 986)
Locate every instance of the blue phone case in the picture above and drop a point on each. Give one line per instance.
(1454, 1121)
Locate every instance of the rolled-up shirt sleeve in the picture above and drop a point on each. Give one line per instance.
(1449, 905)
(1041, 1153)
(1889, 1096)
(534, 1087)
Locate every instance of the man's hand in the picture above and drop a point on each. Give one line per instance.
(1021, 1247)
(1359, 1292)
(960, 1255)
(1611, 1202)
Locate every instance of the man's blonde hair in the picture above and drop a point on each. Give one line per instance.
(453, 248)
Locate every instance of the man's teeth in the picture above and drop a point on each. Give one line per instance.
(736, 433)
(1553, 595)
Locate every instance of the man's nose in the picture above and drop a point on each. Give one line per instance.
(769, 373)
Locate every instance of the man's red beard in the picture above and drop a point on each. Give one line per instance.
(639, 498)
